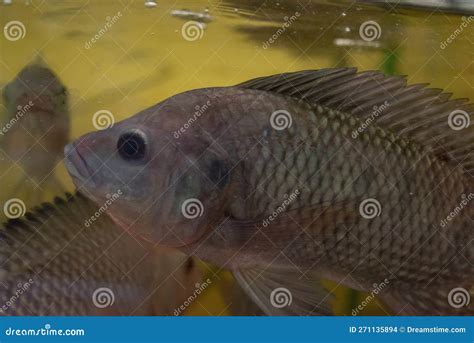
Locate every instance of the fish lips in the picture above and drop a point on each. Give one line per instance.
(77, 167)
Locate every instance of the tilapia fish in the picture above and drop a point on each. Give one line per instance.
(35, 127)
(285, 180)
(69, 258)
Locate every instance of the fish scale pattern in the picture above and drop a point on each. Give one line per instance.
(316, 154)
(63, 263)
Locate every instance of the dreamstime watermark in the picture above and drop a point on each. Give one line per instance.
(288, 22)
(110, 200)
(370, 30)
(198, 112)
(200, 287)
(282, 208)
(14, 208)
(109, 22)
(14, 30)
(44, 331)
(281, 120)
(192, 30)
(103, 119)
(377, 111)
(459, 297)
(22, 288)
(281, 297)
(377, 288)
(103, 297)
(459, 120)
(21, 111)
(370, 208)
(458, 209)
(192, 208)
(465, 22)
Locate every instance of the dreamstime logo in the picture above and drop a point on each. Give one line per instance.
(282, 208)
(465, 199)
(109, 22)
(200, 287)
(103, 119)
(281, 120)
(377, 288)
(192, 208)
(103, 297)
(465, 22)
(21, 111)
(199, 111)
(459, 297)
(370, 30)
(281, 297)
(288, 22)
(14, 208)
(14, 30)
(47, 330)
(22, 288)
(376, 112)
(370, 208)
(110, 200)
(458, 120)
(192, 30)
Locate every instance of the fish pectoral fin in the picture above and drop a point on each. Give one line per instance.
(285, 291)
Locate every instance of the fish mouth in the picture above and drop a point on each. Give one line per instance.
(76, 164)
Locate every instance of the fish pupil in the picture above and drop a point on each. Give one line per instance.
(131, 146)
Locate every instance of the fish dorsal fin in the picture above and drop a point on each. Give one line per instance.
(417, 113)
(69, 209)
(285, 291)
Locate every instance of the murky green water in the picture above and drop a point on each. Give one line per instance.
(119, 57)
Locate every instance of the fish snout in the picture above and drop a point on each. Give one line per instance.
(76, 164)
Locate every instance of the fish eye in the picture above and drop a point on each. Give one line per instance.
(132, 145)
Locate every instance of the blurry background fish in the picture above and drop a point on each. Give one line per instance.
(34, 129)
(57, 261)
(69, 258)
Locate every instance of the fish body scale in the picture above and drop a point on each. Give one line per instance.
(317, 156)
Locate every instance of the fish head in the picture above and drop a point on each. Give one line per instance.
(37, 98)
(38, 85)
(171, 191)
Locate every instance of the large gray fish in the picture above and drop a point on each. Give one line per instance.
(354, 177)
(69, 258)
(34, 129)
